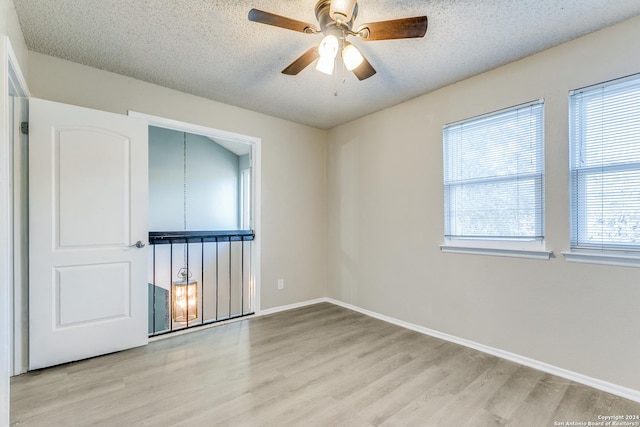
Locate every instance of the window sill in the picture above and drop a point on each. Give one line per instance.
(514, 253)
(625, 259)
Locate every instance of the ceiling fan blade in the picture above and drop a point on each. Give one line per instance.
(302, 62)
(263, 17)
(405, 28)
(364, 70)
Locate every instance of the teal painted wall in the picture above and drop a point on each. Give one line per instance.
(212, 183)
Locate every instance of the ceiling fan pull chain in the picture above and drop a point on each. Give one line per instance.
(335, 80)
(343, 43)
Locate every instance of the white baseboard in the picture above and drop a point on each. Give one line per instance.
(292, 306)
(618, 390)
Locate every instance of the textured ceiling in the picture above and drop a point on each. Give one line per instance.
(209, 48)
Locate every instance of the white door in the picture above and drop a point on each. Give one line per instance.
(88, 208)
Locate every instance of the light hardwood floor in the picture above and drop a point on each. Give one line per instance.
(320, 365)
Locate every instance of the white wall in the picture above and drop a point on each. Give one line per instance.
(386, 221)
(293, 232)
(213, 179)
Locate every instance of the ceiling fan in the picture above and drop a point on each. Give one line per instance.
(335, 21)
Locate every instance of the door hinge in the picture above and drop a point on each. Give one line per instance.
(24, 128)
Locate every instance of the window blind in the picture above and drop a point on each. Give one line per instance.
(493, 175)
(604, 133)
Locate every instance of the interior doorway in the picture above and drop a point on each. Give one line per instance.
(203, 223)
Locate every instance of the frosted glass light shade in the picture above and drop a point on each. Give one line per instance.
(352, 57)
(328, 51)
(342, 10)
(325, 65)
(328, 47)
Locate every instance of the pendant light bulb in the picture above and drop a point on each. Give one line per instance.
(328, 50)
(352, 57)
(328, 47)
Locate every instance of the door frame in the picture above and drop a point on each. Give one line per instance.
(19, 221)
(255, 145)
(11, 80)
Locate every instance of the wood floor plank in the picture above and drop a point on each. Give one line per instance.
(482, 417)
(382, 409)
(512, 394)
(475, 395)
(420, 409)
(540, 405)
(320, 365)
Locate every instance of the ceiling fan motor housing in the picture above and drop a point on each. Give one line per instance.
(327, 24)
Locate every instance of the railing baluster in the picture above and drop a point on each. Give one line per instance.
(202, 277)
(213, 237)
(186, 286)
(171, 287)
(217, 279)
(153, 320)
(230, 280)
(241, 275)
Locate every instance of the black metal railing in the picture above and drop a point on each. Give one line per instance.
(198, 278)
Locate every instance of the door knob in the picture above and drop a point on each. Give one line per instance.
(138, 245)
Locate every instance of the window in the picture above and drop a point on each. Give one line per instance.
(493, 177)
(604, 135)
(245, 200)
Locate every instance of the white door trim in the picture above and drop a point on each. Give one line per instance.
(222, 136)
(20, 290)
(10, 74)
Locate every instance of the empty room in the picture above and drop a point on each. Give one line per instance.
(320, 213)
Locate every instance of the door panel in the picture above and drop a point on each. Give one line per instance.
(104, 290)
(88, 204)
(107, 217)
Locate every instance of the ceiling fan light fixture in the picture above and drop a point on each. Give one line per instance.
(351, 57)
(336, 21)
(342, 10)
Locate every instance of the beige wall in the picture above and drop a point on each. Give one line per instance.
(293, 234)
(385, 222)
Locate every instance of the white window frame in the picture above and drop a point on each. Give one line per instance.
(245, 199)
(605, 254)
(517, 247)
